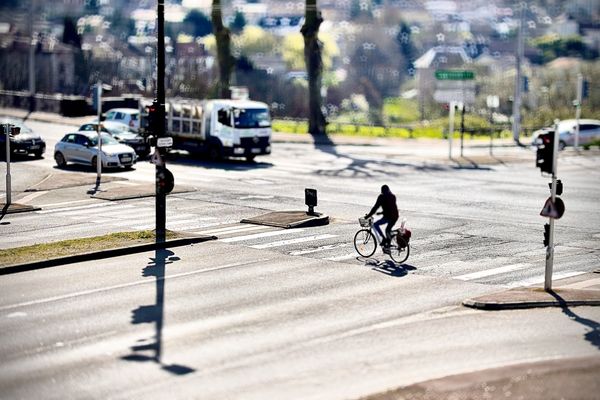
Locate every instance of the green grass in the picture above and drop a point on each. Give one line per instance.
(401, 111)
(63, 248)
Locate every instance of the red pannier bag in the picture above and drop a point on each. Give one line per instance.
(406, 236)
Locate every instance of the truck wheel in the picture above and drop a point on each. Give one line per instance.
(214, 153)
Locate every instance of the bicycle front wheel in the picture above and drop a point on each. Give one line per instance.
(400, 250)
(365, 243)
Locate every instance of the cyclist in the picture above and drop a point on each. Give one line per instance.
(387, 201)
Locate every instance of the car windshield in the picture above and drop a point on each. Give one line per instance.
(251, 118)
(106, 139)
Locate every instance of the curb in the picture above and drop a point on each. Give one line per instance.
(97, 255)
(523, 298)
(288, 219)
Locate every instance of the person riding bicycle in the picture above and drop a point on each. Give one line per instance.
(387, 201)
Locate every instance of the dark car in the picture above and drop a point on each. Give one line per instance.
(26, 142)
(121, 133)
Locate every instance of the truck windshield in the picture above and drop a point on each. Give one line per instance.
(251, 118)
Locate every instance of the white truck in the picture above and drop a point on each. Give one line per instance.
(216, 128)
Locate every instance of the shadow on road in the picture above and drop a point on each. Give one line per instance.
(593, 336)
(388, 267)
(230, 164)
(148, 350)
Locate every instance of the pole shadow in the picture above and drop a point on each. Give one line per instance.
(593, 336)
(147, 350)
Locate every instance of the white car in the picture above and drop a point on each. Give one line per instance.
(589, 132)
(82, 148)
(126, 116)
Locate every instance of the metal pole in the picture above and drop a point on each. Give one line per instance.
(161, 197)
(516, 128)
(491, 131)
(578, 109)
(8, 182)
(99, 131)
(451, 128)
(550, 248)
(462, 129)
(32, 46)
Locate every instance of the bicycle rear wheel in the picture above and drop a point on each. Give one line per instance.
(400, 249)
(365, 243)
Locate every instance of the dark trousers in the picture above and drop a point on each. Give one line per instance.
(388, 229)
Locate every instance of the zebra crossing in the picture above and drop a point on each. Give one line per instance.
(331, 243)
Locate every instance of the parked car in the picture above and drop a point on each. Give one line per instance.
(82, 148)
(126, 116)
(122, 134)
(589, 132)
(27, 142)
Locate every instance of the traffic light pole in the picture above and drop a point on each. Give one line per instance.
(161, 197)
(6, 129)
(550, 248)
(578, 109)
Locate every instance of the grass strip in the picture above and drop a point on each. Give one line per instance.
(64, 248)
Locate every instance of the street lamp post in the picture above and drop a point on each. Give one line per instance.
(6, 129)
(99, 131)
(161, 197)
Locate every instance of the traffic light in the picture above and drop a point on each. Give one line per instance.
(165, 181)
(585, 89)
(153, 118)
(546, 235)
(544, 158)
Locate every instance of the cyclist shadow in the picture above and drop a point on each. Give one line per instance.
(388, 267)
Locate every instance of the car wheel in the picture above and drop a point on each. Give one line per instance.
(60, 160)
(249, 159)
(38, 154)
(562, 145)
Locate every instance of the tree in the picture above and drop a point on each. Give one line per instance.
(224, 58)
(197, 23)
(239, 22)
(314, 67)
(70, 35)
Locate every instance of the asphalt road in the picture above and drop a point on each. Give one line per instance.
(271, 313)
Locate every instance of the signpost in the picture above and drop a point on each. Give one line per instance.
(492, 102)
(457, 88)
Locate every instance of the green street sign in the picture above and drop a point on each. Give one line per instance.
(453, 75)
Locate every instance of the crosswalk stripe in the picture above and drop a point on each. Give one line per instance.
(293, 241)
(234, 229)
(340, 258)
(320, 248)
(540, 279)
(261, 235)
(582, 284)
(74, 209)
(490, 272)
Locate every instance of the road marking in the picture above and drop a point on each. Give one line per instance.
(58, 210)
(320, 248)
(234, 229)
(540, 279)
(125, 285)
(340, 258)
(293, 241)
(32, 196)
(582, 284)
(257, 197)
(490, 272)
(260, 235)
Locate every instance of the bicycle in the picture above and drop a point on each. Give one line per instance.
(365, 242)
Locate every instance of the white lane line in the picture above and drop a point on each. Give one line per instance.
(32, 196)
(261, 235)
(320, 248)
(235, 229)
(125, 285)
(540, 279)
(582, 284)
(293, 241)
(58, 210)
(490, 272)
(340, 258)
(257, 197)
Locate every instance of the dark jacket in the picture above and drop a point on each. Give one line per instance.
(387, 202)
